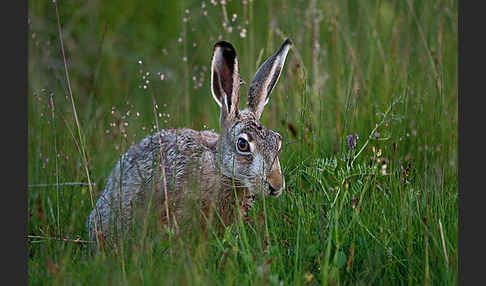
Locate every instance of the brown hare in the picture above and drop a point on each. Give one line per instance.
(157, 175)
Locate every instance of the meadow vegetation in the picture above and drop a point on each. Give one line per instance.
(366, 103)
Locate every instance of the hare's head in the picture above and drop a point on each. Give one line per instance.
(249, 151)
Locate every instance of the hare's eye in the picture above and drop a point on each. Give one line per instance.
(243, 145)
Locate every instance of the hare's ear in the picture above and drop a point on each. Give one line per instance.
(265, 79)
(225, 79)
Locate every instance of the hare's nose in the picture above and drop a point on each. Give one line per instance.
(276, 192)
(275, 179)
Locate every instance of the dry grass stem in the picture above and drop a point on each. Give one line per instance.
(443, 242)
(83, 151)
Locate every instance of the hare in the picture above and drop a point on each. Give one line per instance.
(157, 175)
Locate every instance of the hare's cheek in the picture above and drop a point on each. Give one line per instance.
(243, 160)
(240, 166)
(256, 166)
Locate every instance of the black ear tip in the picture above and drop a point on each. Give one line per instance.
(225, 45)
(287, 42)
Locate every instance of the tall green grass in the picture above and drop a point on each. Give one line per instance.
(371, 215)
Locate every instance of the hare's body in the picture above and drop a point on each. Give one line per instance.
(142, 178)
(183, 164)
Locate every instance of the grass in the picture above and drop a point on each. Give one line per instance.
(384, 213)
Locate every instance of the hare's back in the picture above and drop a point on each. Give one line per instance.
(180, 152)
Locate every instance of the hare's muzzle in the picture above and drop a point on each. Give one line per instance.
(275, 180)
(276, 189)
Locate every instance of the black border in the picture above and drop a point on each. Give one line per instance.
(14, 142)
(471, 167)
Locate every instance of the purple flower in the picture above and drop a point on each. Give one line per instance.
(377, 135)
(352, 141)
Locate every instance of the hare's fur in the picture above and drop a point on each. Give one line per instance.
(183, 164)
